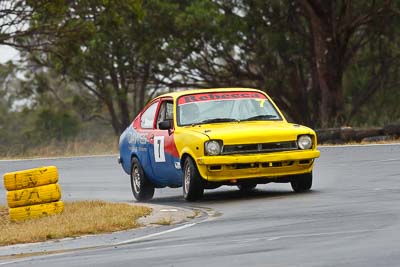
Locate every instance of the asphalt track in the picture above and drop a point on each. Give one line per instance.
(350, 218)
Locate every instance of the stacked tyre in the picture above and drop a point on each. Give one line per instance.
(33, 193)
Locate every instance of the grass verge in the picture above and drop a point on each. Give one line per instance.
(79, 218)
(67, 148)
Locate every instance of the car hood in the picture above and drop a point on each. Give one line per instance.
(253, 132)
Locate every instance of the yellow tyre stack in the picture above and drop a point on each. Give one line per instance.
(33, 193)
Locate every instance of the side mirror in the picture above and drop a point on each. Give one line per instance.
(165, 125)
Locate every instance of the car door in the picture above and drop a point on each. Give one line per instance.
(164, 156)
(140, 139)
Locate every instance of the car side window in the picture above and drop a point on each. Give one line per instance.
(169, 112)
(166, 112)
(147, 119)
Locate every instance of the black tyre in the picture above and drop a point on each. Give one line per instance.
(302, 183)
(193, 185)
(246, 187)
(142, 189)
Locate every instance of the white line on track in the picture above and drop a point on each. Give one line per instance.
(101, 246)
(156, 234)
(366, 145)
(55, 158)
(321, 234)
(116, 155)
(29, 258)
(387, 160)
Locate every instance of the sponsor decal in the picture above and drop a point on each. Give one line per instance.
(136, 141)
(218, 96)
(177, 165)
(136, 138)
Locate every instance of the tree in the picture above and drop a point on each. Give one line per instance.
(115, 55)
(305, 54)
(5, 103)
(13, 20)
(18, 23)
(299, 50)
(244, 44)
(337, 32)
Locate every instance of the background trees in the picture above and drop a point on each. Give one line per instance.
(340, 34)
(301, 52)
(326, 63)
(114, 49)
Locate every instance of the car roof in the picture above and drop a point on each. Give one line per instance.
(177, 94)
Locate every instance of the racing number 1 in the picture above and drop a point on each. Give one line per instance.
(159, 148)
(159, 153)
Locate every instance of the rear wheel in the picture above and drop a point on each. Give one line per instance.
(193, 186)
(302, 182)
(142, 189)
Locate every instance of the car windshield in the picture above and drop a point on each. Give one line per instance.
(217, 107)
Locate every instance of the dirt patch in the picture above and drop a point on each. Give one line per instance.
(163, 215)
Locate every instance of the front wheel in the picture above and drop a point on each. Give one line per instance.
(302, 182)
(193, 186)
(142, 189)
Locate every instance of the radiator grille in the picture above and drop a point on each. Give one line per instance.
(259, 148)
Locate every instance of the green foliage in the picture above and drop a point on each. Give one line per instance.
(111, 48)
(50, 125)
(48, 111)
(301, 53)
(102, 60)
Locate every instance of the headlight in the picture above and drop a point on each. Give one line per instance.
(213, 147)
(304, 142)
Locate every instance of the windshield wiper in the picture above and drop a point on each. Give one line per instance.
(218, 120)
(260, 117)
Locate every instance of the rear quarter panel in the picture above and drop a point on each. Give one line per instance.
(134, 144)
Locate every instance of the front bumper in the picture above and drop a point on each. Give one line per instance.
(244, 166)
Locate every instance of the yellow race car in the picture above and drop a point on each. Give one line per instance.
(202, 139)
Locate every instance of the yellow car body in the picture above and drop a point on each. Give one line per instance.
(249, 165)
(205, 138)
